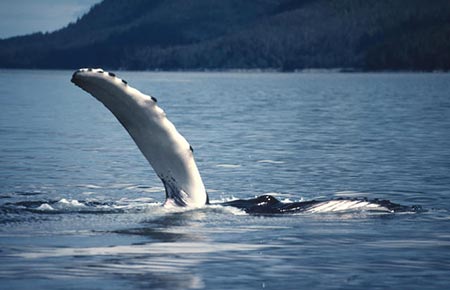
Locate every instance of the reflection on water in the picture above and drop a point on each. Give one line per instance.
(168, 228)
(81, 209)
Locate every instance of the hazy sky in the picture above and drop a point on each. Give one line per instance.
(18, 17)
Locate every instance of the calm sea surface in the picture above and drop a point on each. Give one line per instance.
(80, 208)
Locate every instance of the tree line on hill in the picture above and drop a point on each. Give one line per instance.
(233, 34)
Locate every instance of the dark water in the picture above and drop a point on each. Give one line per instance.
(81, 209)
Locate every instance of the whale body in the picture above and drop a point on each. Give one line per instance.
(172, 158)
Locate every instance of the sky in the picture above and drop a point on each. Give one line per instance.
(19, 17)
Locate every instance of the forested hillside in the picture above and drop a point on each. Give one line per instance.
(235, 34)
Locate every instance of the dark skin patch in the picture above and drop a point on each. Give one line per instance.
(190, 148)
(124, 81)
(111, 74)
(154, 99)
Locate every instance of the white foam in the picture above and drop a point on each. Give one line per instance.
(227, 209)
(143, 203)
(223, 199)
(45, 207)
(70, 203)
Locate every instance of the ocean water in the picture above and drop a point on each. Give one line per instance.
(80, 208)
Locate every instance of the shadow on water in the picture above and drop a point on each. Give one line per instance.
(170, 227)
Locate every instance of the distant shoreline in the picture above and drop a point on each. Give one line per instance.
(318, 36)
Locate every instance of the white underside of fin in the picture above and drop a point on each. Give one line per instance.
(163, 146)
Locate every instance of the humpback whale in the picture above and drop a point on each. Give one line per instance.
(172, 158)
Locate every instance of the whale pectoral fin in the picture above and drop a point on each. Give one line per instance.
(163, 146)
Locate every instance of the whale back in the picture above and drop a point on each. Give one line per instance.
(166, 150)
(267, 204)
